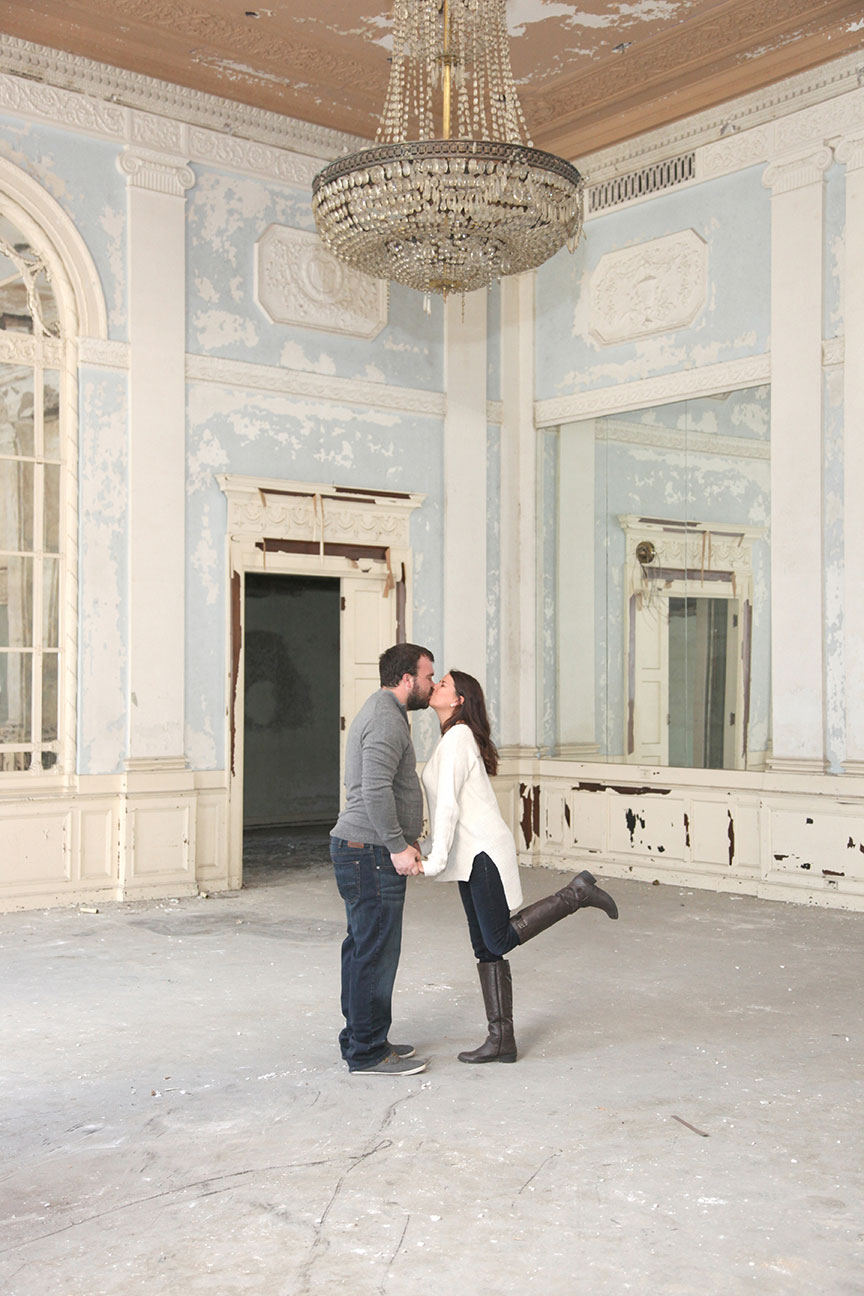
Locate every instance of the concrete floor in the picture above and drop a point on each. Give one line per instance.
(176, 1119)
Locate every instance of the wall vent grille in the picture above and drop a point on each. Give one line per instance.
(637, 184)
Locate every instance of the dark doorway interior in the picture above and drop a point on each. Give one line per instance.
(291, 735)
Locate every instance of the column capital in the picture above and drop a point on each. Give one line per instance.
(796, 171)
(850, 150)
(160, 172)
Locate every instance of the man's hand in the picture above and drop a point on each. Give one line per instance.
(407, 862)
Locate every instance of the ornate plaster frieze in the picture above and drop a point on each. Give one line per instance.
(683, 440)
(310, 511)
(796, 172)
(691, 546)
(850, 150)
(157, 171)
(651, 288)
(75, 111)
(821, 122)
(159, 133)
(295, 382)
(299, 282)
(24, 348)
(685, 384)
(247, 155)
(103, 353)
(734, 154)
(832, 351)
(47, 69)
(795, 94)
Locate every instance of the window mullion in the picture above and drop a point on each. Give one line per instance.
(38, 558)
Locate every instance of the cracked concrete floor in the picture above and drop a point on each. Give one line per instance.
(176, 1119)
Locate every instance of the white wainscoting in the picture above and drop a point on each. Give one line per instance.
(114, 838)
(794, 837)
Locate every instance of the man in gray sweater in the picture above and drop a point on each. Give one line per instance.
(373, 846)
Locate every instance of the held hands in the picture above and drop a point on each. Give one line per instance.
(408, 861)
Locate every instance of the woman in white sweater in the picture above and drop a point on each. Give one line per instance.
(471, 844)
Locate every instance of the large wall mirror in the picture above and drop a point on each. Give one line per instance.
(654, 616)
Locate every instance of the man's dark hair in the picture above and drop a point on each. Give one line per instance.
(400, 660)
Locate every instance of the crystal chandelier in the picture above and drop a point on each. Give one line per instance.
(439, 214)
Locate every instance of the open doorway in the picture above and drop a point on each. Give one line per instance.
(291, 715)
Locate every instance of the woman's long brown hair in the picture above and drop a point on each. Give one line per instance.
(472, 712)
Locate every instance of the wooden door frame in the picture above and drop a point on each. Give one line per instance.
(302, 529)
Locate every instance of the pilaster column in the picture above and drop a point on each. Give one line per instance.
(797, 683)
(518, 518)
(156, 189)
(576, 597)
(465, 485)
(851, 151)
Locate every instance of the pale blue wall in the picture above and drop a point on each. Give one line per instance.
(732, 215)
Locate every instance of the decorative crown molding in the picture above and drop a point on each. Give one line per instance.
(729, 375)
(157, 171)
(726, 127)
(788, 174)
(295, 382)
(116, 90)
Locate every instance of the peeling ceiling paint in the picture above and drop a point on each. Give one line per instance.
(591, 74)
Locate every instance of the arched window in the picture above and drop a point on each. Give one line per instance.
(32, 504)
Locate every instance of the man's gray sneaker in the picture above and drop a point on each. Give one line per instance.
(404, 1050)
(393, 1064)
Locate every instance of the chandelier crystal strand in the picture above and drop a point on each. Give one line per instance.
(443, 214)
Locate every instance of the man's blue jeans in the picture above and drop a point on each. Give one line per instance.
(374, 896)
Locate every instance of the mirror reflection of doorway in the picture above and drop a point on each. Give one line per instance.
(703, 654)
(291, 708)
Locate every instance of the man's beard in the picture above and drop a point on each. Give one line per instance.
(416, 701)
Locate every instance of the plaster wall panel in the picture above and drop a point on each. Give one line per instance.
(211, 864)
(81, 174)
(723, 833)
(97, 844)
(227, 215)
(647, 826)
(162, 837)
(103, 570)
(824, 846)
(835, 258)
(35, 849)
(589, 816)
(730, 216)
(833, 521)
(493, 577)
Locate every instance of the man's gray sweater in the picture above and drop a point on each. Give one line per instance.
(384, 804)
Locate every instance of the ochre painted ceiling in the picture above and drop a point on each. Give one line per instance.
(590, 74)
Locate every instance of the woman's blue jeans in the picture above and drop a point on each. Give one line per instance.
(485, 905)
(374, 896)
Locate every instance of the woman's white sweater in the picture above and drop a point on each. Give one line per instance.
(464, 816)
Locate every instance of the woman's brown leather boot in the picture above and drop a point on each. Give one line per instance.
(496, 983)
(581, 893)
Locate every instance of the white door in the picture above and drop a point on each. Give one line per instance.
(649, 689)
(368, 627)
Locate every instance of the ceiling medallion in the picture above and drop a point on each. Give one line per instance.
(439, 214)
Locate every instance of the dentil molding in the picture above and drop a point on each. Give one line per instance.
(729, 375)
(651, 288)
(299, 282)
